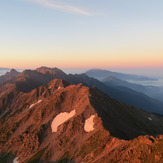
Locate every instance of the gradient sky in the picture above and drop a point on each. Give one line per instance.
(81, 33)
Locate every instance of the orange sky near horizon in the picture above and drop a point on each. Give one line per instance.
(113, 34)
(81, 59)
(82, 62)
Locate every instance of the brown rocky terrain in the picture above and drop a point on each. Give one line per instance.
(30, 129)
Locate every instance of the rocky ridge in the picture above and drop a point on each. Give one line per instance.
(115, 135)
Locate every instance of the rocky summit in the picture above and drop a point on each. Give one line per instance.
(55, 121)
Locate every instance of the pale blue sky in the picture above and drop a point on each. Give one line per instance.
(81, 33)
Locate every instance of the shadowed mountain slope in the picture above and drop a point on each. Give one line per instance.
(123, 94)
(152, 91)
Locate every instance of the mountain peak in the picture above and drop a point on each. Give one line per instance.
(12, 72)
(48, 70)
(8, 76)
(58, 83)
(45, 70)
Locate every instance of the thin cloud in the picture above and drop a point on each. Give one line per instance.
(61, 6)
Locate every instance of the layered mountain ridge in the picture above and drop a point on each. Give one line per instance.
(73, 123)
(30, 79)
(102, 74)
(152, 91)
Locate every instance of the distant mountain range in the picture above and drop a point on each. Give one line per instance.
(102, 74)
(5, 69)
(44, 117)
(30, 79)
(152, 91)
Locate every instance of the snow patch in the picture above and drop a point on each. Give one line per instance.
(149, 118)
(32, 105)
(59, 87)
(60, 119)
(89, 124)
(16, 160)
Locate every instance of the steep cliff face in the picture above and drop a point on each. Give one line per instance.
(59, 122)
(8, 94)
